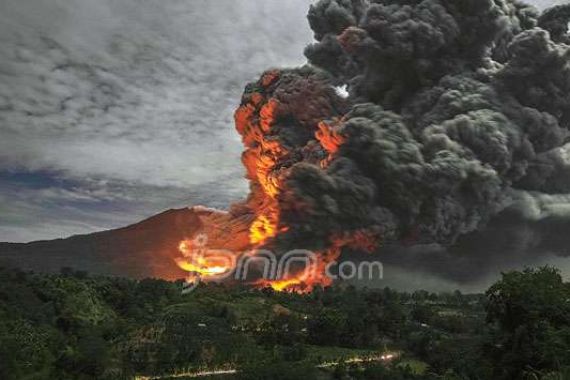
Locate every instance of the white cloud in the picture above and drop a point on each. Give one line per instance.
(547, 3)
(136, 90)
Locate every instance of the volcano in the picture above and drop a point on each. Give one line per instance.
(413, 122)
(145, 249)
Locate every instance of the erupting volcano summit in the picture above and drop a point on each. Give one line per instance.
(452, 107)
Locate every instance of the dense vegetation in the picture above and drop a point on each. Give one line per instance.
(73, 326)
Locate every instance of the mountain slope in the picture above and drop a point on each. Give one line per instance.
(145, 249)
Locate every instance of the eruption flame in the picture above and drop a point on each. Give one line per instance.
(200, 262)
(330, 138)
(267, 159)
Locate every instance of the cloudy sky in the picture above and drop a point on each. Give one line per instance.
(114, 110)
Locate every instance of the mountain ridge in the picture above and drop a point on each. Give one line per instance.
(143, 249)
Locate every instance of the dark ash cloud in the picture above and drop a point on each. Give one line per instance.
(452, 109)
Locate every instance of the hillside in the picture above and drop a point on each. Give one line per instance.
(144, 249)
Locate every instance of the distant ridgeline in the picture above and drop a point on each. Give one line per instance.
(145, 249)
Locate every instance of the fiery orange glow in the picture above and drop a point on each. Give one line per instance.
(261, 229)
(267, 114)
(280, 285)
(309, 278)
(254, 121)
(305, 280)
(330, 139)
(200, 261)
(202, 267)
(267, 159)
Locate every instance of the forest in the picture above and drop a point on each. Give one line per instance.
(73, 325)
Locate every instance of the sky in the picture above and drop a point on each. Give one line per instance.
(114, 110)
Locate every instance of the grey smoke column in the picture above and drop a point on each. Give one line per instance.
(454, 106)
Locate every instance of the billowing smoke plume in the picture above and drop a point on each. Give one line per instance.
(454, 108)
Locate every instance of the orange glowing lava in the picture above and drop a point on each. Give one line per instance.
(317, 274)
(202, 266)
(281, 285)
(254, 121)
(262, 117)
(205, 263)
(262, 229)
(330, 139)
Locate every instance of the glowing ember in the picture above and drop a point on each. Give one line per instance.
(329, 137)
(261, 229)
(201, 262)
(202, 267)
(316, 274)
(261, 119)
(280, 285)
